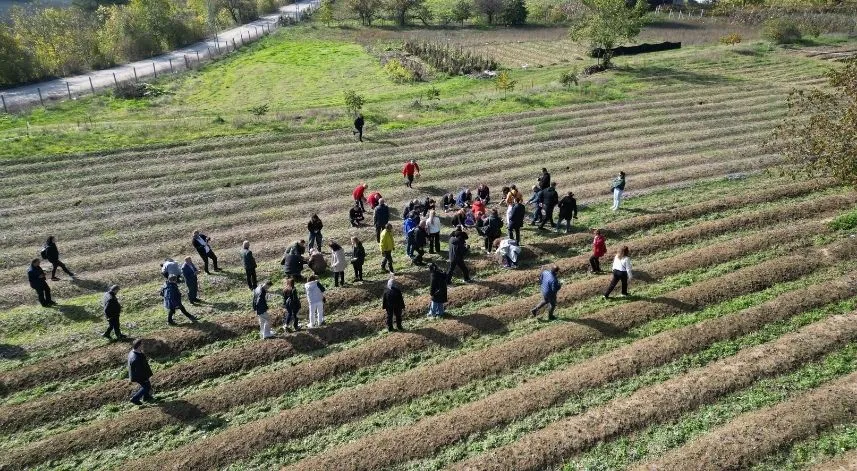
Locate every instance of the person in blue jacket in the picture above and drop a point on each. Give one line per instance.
(173, 300)
(550, 285)
(139, 372)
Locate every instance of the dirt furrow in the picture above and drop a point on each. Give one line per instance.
(750, 437)
(424, 438)
(845, 462)
(656, 404)
(34, 413)
(173, 341)
(348, 405)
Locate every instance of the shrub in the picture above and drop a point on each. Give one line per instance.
(731, 39)
(845, 221)
(259, 110)
(137, 90)
(569, 78)
(452, 60)
(397, 72)
(811, 29)
(781, 31)
(504, 82)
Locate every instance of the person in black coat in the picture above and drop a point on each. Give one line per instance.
(112, 309)
(492, 229)
(355, 214)
(567, 211)
(394, 303)
(139, 372)
(483, 193)
(293, 265)
(544, 179)
(38, 282)
(549, 198)
(437, 290)
(249, 262)
(51, 253)
(381, 218)
(358, 127)
(516, 221)
(358, 257)
(291, 305)
(418, 237)
(457, 252)
(201, 243)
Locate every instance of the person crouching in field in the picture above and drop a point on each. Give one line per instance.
(621, 271)
(260, 306)
(315, 297)
(394, 303)
(549, 284)
(509, 252)
(599, 248)
(173, 300)
(355, 215)
(39, 283)
(112, 309)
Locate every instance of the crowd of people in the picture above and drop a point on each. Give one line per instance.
(470, 214)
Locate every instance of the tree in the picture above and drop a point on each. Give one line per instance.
(504, 82)
(462, 11)
(241, 11)
(818, 136)
(569, 78)
(514, 13)
(607, 24)
(365, 9)
(353, 102)
(16, 63)
(489, 8)
(399, 9)
(325, 12)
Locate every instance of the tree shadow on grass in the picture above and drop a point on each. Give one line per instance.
(13, 352)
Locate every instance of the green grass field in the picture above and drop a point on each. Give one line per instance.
(737, 348)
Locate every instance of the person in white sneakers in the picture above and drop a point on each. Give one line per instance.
(260, 305)
(621, 271)
(618, 186)
(315, 298)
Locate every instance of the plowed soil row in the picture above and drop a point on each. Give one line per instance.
(348, 405)
(171, 342)
(427, 437)
(34, 413)
(667, 400)
(846, 462)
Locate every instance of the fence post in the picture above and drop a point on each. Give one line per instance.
(115, 82)
(135, 74)
(209, 51)
(186, 63)
(68, 89)
(154, 69)
(233, 44)
(41, 100)
(5, 109)
(171, 65)
(197, 57)
(242, 38)
(91, 86)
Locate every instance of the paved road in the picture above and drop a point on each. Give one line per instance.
(25, 96)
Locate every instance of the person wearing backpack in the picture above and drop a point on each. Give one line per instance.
(201, 243)
(249, 262)
(291, 305)
(51, 253)
(315, 297)
(260, 306)
(189, 272)
(358, 257)
(173, 300)
(112, 309)
(39, 283)
(394, 303)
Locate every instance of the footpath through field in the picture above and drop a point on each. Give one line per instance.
(22, 97)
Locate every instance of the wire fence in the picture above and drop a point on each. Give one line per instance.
(190, 58)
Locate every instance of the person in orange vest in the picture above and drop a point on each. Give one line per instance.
(410, 170)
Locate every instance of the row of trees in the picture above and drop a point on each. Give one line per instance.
(506, 12)
(40, 43)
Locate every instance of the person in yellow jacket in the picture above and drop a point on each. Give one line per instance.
(514, 196)
(387, 246)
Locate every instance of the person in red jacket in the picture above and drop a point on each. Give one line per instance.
(373, 199)
(358, 193)
(410, 170)
(599, 248)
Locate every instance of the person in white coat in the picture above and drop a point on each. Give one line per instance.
(315, 299)
(621, 271)
(338, 263)
(509, 251)
(433, 228)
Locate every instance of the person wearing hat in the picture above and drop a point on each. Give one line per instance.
(173, 300)
(112, 309)
(567, 212)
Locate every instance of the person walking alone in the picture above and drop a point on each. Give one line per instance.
(139, 372)
(387, 245)
(260, 306)
(567, 212)
(51, 253)
(410, 170)
(599, 248)
(621, 271)
(358, 127)
(189, 272)
(437, 291)
(394, 303)
(173, 300)
(618, 186)
(338, 263)
(291, 305)
(315, 297)
(549, 285)
(201, 243)
(380, 218)
(358, 257)
(112, 309)
(39, 283)
(314, 227)
(249, 262)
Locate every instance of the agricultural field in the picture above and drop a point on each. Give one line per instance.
(737, 348)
